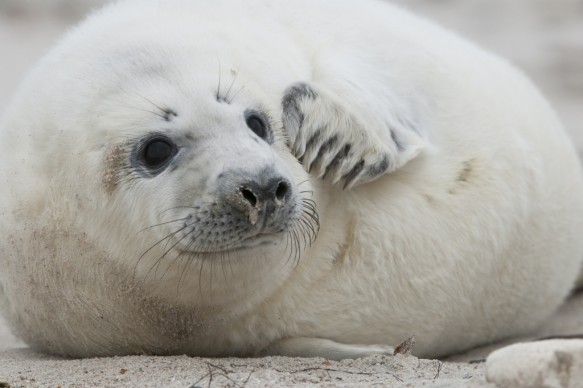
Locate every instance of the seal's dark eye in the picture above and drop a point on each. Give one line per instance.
(258, 124)
(156, 152)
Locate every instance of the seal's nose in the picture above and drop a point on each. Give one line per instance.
(268, 196)
(264, 198)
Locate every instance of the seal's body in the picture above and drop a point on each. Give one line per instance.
(155, 193)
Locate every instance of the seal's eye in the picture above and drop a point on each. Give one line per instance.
(156, 152)
(258, 124)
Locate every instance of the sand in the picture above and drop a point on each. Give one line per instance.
(30, 369)
(544, 37)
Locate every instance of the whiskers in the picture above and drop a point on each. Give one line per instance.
(136, 101)
(227, 97)
(302, 231)
(193, 249)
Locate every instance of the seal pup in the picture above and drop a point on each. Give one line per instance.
(299, 178)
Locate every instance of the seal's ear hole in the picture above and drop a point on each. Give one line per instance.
(258, 123)
(156, 152)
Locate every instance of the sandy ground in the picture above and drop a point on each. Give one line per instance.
(544, 37)
(29, 369)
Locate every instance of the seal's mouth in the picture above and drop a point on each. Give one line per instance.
(260, 240)
(255, 241)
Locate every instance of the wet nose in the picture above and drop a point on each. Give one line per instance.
(265, 197)
(269, 195)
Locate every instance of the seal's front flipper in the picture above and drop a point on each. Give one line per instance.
(320, 347)
(337, 142)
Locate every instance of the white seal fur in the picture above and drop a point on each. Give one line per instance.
(153, 200)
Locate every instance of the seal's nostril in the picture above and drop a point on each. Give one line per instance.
(249, 196)
(281, 191)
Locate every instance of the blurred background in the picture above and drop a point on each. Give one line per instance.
(543, 37)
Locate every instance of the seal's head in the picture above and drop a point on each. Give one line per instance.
(162, 149)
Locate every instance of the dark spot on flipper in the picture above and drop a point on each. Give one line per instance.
(316, 138)
(380, 167)
(293, 117)
(322, 151)
(337, 159)
(328, 144)
(397, 142)
(353, 174)
(299, 90)
(292, 114)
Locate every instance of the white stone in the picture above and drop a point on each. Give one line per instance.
(552, 363)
